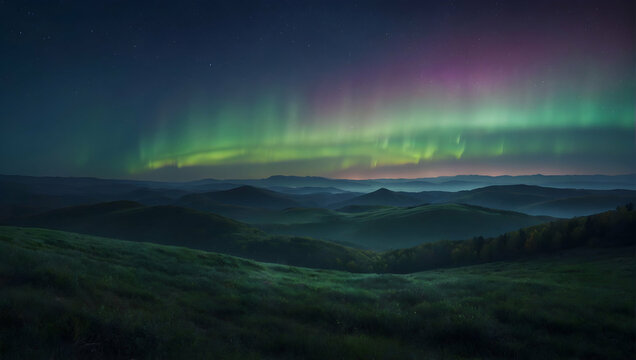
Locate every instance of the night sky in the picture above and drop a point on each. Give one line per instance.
(355, 89)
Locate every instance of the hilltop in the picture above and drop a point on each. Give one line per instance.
(381, 196)
(241, 196)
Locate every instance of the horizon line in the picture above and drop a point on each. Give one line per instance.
(308, 176)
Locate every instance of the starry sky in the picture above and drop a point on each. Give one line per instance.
(350, 89)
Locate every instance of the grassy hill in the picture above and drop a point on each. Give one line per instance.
(172, 225)
(361, 208)
(529, 199)
(18, 199)
(607, 229)
(68, 296)
(580, 205)
(382, 228)
(247, 203)
(200, 230)
(537, 200)
(378, 228)
(382, 196)
(241, 196)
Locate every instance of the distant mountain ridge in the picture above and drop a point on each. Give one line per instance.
(62, 185)
(23, 195)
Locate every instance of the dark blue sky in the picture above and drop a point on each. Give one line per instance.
(181, 90)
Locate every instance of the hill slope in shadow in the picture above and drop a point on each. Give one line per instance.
(242, 196)
(383, 197)
(81, 297)
(537, 200)
(529, 199)
(178, 226)
(382, 228)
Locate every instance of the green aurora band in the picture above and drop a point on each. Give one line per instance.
(418, 130)
(381, 89)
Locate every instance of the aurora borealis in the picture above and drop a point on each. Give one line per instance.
(340, 89)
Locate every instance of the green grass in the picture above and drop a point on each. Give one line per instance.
(177, 226)
(173, 225)
(65, 295)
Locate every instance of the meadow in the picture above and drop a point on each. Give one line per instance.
(66, 295)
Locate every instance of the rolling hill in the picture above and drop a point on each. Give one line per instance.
(72, 296)
(26, 195)
(253, 200)
(529, 199)
(537, 200)
(382, 228)
(382, 196)
(242, 196)
(377, 228)
(172, 225)
(240, 199)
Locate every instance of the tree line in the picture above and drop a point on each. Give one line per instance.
(607, 229)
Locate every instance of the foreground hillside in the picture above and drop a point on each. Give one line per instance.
(73, 296)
